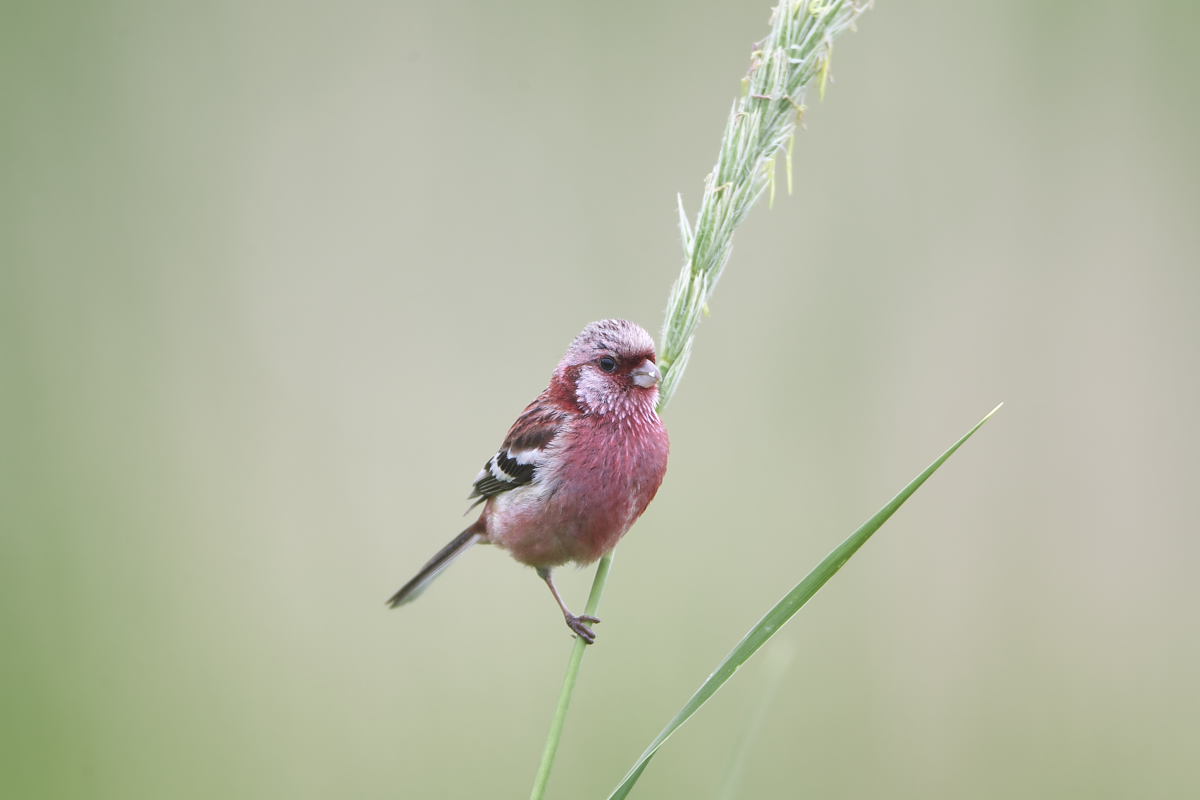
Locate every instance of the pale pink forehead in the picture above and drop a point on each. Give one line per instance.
(617, 336)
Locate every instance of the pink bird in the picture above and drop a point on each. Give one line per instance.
(577, 468)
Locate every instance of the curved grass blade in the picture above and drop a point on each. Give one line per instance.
(774, 619)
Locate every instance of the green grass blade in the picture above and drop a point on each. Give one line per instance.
(770, 624)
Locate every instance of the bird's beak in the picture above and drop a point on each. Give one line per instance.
(646, 375)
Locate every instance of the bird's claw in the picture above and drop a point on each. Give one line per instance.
(579, 626)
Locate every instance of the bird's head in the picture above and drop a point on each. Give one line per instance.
(610, 369)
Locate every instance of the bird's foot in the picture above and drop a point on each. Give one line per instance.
(579, 626)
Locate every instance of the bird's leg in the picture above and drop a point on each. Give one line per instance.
(578, 625)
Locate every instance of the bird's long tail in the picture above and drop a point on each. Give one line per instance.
(457, 546)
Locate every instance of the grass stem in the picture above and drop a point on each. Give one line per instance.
(761, 124)
(568, 688)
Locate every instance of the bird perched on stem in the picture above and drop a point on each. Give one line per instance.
(576, 469)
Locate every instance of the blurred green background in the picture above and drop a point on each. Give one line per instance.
(276, 278)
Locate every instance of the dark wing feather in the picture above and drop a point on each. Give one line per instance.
(500, 474)
(517, 461)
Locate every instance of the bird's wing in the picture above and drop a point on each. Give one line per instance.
(524, 451)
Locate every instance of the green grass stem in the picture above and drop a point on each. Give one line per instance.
(761, 123)
(568, 688)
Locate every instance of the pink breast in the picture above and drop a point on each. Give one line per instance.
(603, 486)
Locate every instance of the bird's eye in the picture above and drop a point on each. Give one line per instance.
(608, 364)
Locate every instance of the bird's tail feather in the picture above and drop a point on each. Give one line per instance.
(457, 546)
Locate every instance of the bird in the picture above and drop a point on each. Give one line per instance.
(577, 468)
